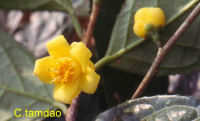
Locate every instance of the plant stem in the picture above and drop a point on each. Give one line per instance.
(163, 52)
(93, 18)
(73, 109)
(107, 59)
(77, 25)
(75, 21)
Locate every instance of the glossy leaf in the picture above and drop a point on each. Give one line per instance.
(163, 107)
(176, 113)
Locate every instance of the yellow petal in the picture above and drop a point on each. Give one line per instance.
(89, 81)
(155, 16)
(140, 14)
(91, 65)
(41, 69)
(65, 92)
(58, 47)
(78, 91)
(81, 54)
(139, 29)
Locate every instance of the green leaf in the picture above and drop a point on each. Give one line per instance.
(153, 107)
(19, 89)
(136, 55)
(53, 5)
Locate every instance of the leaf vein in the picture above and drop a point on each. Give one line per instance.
(14, 67)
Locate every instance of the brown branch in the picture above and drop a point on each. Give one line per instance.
(71, 113)
(93, 18)
(73, 109)
(168, 46)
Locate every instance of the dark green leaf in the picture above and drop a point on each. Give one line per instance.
(138, 54)
(18, 87)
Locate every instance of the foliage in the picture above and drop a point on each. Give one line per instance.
(136, 54)
(19, 89)
(163, 107)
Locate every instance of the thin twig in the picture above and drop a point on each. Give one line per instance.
(168, 46)
(93, 18)
(73, 109)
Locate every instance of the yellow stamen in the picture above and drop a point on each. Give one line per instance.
(65, 71)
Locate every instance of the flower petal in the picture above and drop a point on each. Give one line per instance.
(139, 29)
(140, 14)
(89, 81)
(66, 92)
(41, 69)
(78, 91)
(156, 17)
(58, 47)
(91, 65)
(81, 54)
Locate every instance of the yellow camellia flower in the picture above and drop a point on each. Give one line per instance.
(148, 16)
(69, 68)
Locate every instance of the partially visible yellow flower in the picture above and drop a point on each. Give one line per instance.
(148, 16)
(69, 68)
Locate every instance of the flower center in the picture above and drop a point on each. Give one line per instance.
(65, 71)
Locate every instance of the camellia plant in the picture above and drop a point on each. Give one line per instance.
(65, 84)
